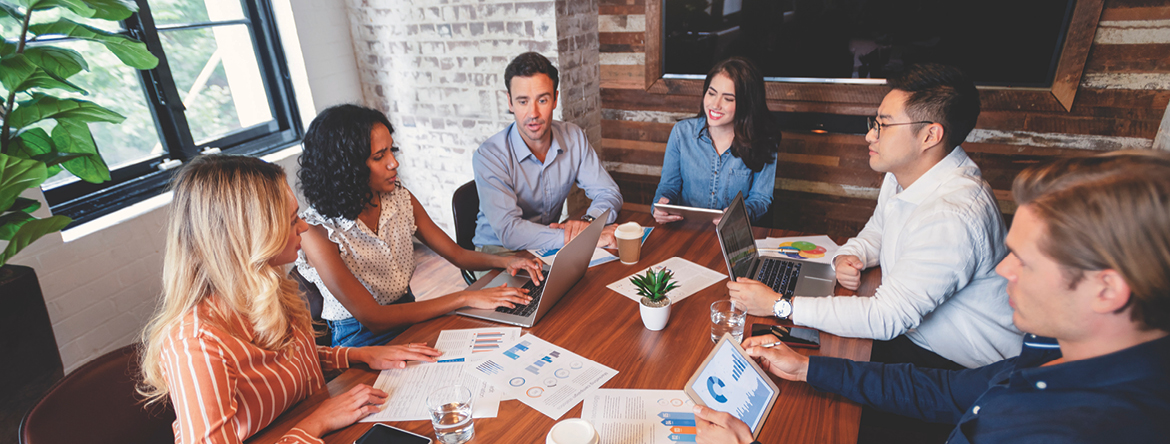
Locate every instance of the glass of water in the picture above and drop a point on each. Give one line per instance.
(450, 409)
(726, 317)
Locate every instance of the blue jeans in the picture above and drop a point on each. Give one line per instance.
(351, 333)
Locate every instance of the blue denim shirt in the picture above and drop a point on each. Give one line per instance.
(695, 175)
(1120, 397)
(519, 196)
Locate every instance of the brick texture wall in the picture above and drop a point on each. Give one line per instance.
(436, 67)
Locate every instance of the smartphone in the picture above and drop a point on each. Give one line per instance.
(384, 434)
(798, 337)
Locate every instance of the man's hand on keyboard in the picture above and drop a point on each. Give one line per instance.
(755, 297)
(502, 296)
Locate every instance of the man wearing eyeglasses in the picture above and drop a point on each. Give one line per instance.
(937, 233)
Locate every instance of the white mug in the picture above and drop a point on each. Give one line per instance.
(573, 431)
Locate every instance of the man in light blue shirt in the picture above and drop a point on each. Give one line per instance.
(525, 172)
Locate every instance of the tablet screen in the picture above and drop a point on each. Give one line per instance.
(729, 384)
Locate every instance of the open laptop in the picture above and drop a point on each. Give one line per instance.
(568, 268)
(785, 276)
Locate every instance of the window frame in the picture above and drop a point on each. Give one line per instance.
(129, 184)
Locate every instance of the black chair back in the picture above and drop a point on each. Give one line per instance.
(316, 303)
(465, 206)
(98, 404)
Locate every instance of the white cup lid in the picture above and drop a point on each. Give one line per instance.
(629, 230)
(572, 431)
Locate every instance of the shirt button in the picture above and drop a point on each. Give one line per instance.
(975, 410)
(1041, 385)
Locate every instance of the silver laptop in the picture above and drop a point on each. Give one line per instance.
(785, 276)
(568, 268)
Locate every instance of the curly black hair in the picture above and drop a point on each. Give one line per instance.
(334, 177)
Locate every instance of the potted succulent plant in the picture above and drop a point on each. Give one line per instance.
(652, 287)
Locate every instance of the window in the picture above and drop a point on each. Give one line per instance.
(221, 84)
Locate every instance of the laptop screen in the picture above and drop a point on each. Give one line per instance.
(736, 233)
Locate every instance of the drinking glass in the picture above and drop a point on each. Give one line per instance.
(450, 409)
(726, 317)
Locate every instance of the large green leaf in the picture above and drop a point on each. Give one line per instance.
(18, 73)
(113, 9)
(72, 136)
(43, 107)
(5, 47)
(36, 144)
(8, 10)
(10, 223)
(61, 62)
(31, 231)
(77, 6)
(130, 51)
(17, 175)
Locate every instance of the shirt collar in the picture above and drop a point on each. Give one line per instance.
(935, 176)
(1146, 361)
(520, 148)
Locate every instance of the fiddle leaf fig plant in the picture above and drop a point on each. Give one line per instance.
(42, 132)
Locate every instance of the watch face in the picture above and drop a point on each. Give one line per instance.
(782, 309)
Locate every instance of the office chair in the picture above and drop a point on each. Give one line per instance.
(98, 404)
(465, 206)
(316, 302)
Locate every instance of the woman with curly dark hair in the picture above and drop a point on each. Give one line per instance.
(358, 249)
(729, 148)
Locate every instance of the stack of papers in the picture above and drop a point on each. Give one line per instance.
(691, 279)
(641, 416)
(408, 389)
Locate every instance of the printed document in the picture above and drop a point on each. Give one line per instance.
(473, 344)
(543, 376)
(641, 416)
(805, 248)
(691, 278)
(408, 389)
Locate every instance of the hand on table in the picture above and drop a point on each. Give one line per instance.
(778, 360)
(663, 217)
(607, 240)
(491, 298)
(572, 228)
(381, 357)
(755, 297)
(343, 410)
(848, 270)
(532, 265)
(717, 427)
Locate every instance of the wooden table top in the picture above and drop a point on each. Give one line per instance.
(604, 326)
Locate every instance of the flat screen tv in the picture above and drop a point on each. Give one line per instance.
(996, 42)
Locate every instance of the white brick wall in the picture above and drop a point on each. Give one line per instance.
(436, 67)
(101, 288)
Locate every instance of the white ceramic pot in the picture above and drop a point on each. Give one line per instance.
(654, 318)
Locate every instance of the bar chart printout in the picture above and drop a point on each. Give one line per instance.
(641, 416)
(472, 344)
(543, 376)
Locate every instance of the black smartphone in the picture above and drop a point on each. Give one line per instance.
(798, 337)
(384, 434)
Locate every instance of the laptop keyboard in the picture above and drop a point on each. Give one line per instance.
(524, 310)
(780, 275)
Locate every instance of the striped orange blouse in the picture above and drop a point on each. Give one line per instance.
(225, 389)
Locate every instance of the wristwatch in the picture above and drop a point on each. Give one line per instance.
(588, 218)
(782, 308)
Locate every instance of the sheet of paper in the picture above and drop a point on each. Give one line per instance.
(691, 279)
(408, 389)
(768, 247)
(600, 256)
(472, 344)
(543, 376)
(641, 416)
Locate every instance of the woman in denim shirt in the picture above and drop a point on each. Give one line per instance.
(719, 153)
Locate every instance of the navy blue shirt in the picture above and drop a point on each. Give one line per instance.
(1121, 397)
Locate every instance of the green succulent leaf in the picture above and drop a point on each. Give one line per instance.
(61, 62)
(73, 137)
(43, 107)
(31, 231)
(17, 175)
(10, 10)
(130, 51)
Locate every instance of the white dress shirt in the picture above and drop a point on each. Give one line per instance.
(938, 243)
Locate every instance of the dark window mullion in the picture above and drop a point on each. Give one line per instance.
(166, 103)
(270, 54)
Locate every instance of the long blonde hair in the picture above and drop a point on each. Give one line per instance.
(227, 219)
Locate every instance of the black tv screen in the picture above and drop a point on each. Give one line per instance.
(996, 42)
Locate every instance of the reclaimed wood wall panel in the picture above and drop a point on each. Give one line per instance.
(824, 182)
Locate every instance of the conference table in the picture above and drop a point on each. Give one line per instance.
(604, 326)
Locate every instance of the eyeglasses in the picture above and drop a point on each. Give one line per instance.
(876, 126)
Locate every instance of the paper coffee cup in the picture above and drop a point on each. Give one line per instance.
(573, 431)
(629, 242)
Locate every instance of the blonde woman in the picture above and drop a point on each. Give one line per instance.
(231, 344)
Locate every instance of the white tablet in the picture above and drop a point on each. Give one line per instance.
(690, 213)
(729, 381)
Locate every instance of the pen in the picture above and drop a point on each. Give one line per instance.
(771, 345)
